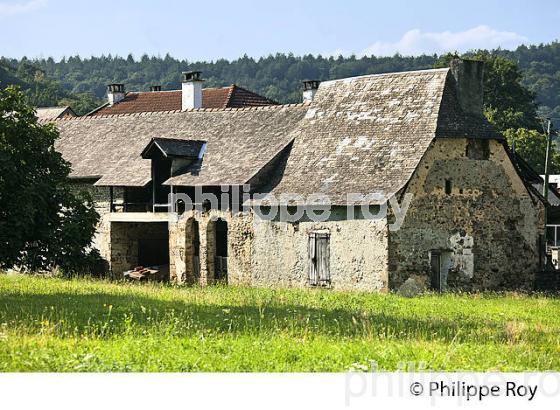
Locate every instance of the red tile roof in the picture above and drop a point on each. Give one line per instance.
(152, 101)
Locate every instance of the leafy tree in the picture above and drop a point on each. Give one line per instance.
(531, 146)
(42, 91)
(43, 223)
(507, 102)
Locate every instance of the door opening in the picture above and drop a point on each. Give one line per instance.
(440, 263)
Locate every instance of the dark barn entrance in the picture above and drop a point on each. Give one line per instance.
(217, 236)
(136, 244)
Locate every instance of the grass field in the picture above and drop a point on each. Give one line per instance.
(51, 324)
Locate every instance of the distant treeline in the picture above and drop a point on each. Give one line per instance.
(277, 76)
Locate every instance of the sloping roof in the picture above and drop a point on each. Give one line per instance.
(531, 177)
(53, 113)
(157, 101)
(364, 135)
(173, 147)
(239, 143)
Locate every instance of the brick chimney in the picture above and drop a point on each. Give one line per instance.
(191, 90)
(115, 93)
(469, 76)
(309, 89)
(155, 88)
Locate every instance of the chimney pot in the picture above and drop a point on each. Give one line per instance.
(469, 76)
(191, 90)
(309, 89)
(115, 93)
(154, 88)
(192, 76)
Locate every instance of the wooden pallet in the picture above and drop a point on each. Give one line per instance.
(141, 273)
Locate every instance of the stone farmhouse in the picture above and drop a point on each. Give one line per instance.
(416, 140)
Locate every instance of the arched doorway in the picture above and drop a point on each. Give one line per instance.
(217, 250)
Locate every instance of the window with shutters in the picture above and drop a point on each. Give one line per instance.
(319, 259)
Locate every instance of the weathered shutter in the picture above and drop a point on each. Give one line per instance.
(319, 257)
(323, 257)
(312, 260)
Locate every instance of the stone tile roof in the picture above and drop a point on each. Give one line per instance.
(360, 135)
(157, 101)
(53, 113)
(240, 141)
(364, 135)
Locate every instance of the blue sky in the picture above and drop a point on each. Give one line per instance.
(228, 29)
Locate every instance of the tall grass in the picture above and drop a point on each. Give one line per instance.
(85, 325)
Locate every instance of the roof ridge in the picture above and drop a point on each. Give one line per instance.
(177, 90)
(156, 113)
(154, 92)
(393, 73)
(257, 94)
(230, 95)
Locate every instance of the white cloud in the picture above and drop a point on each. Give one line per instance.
(9, 9)
(416, 42)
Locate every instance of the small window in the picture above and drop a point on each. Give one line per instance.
(319, 259)
(448, 186)
(478, 149)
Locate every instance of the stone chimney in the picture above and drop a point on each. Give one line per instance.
(309, 89)
(115, 93)
(191, 90)
(155, 88)
(469, 75)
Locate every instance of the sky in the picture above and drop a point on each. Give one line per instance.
(208, 30)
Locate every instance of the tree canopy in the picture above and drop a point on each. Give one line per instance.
(41, 90)
(43, 223)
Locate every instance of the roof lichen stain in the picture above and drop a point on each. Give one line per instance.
(310, 113)
(364, 143)
(342, 144)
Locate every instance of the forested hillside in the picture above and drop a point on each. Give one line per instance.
(81, 82)
(41, 89)
(278, 77)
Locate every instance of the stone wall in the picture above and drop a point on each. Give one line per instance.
(240, 236)
(269, 254)
(487, 219)
(358, 253)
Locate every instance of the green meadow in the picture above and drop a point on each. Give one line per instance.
(84, 325)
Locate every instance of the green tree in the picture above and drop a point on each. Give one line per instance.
(43, 223)
(507, 102)
(531, 146)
